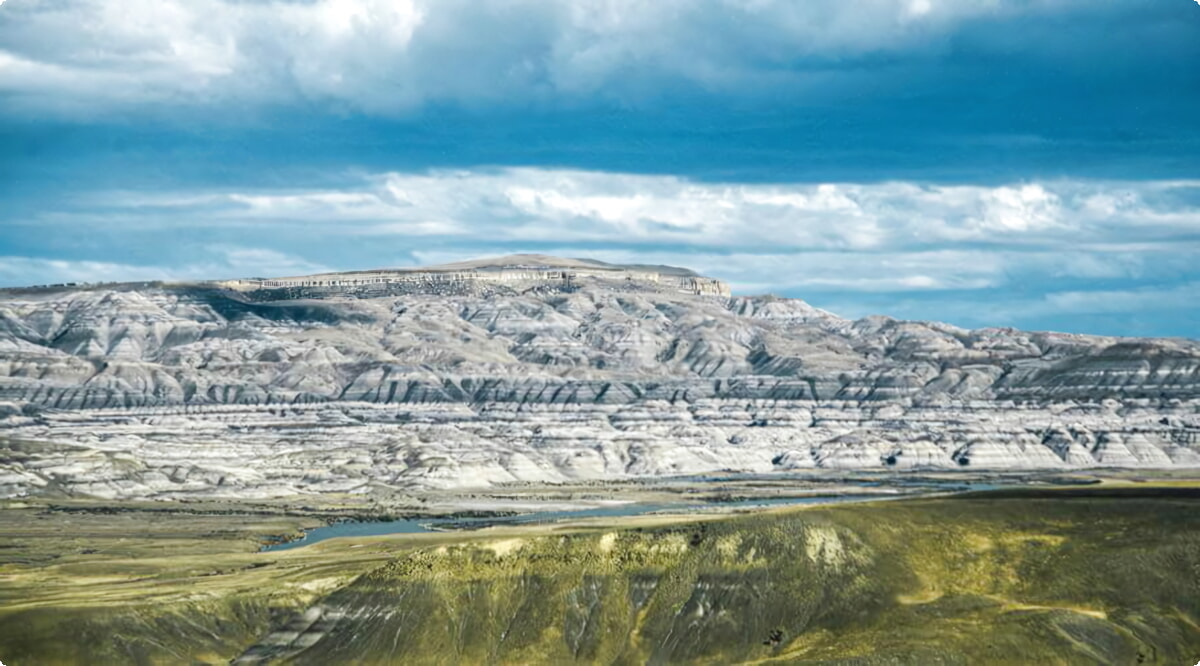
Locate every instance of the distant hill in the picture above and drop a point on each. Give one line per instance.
(441, 379)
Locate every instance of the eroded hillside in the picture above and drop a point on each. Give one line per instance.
(158, 390)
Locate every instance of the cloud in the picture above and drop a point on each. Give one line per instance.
(892, 237)
(221, 262)
(1047, 254)
(531, 205)
(21, 271)
(1143, 310)
(391, 56)
(1123, 300)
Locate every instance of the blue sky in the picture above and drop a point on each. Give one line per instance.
(1030, 163)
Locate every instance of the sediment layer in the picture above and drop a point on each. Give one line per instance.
(168, 390)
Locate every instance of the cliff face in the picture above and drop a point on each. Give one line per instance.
(515, 272)
(491, 381)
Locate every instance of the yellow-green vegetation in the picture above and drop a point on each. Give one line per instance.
(151, 586)
(1081, 576)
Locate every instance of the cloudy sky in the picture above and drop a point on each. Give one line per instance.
(1031, 163)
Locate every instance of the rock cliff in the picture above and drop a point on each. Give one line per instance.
(532, 368)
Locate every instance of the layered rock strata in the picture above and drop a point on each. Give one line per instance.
(176, 390)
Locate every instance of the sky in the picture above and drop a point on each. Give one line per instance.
(1027, 163)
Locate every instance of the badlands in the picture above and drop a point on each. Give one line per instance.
(541, 370)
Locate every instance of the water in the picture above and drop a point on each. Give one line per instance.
(433, 524)
(352, 529)
(357, 529)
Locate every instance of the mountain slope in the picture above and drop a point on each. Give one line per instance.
(575, 376)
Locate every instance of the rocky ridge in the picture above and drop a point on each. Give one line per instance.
(557, 372)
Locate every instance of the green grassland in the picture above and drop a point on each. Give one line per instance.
(1105, 575)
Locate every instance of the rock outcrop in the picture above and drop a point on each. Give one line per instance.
(563, 370)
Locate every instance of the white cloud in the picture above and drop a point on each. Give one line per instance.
(220, 262)
(1019, 209)
(1123, 300)
(20, 271)
(529, 205)
(233, 261)
(1019, 250)
(392, 55)
(920, 7)
(1137, 305)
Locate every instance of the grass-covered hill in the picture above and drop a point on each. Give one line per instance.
(1063, 577)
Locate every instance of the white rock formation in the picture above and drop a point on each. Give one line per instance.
(544, 372)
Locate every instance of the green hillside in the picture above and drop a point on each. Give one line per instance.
(1060, 577)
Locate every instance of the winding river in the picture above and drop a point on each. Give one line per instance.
(441, 524)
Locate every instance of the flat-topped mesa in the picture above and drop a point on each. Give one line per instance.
(518, 271)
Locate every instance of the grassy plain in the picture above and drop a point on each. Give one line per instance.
(1099, 575)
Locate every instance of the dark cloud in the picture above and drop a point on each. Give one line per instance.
(903, 104)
